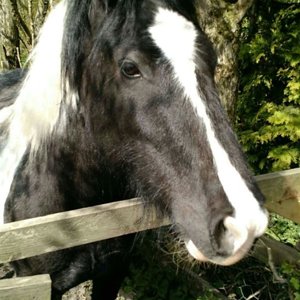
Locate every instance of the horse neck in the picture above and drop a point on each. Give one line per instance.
(80, 171)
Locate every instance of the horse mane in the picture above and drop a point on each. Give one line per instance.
(38, 111)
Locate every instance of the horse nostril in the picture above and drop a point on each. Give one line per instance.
(219, 233)
(221, 245)
(229, 236)
(236, 232)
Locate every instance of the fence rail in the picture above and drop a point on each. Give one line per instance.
(282, 191)
(58, 231)
(35, 236)
(26, 288)
(40, 235)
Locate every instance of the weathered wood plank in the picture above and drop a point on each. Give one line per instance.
(68, 229)
(282, 191)
(280, 252)
(26, 288)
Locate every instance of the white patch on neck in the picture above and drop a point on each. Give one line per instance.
(36, 111)
(5, 114)
(176, 37)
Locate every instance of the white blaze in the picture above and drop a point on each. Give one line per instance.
(176, 37)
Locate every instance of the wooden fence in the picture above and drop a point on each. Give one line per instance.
(40, 235)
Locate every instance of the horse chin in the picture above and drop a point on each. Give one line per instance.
(222, 261)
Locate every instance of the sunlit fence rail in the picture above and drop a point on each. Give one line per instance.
(58, 231)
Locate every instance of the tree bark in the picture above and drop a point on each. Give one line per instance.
(221, 21)
(9, 38)
(20, 21)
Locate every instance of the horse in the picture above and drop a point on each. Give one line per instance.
(119, 101)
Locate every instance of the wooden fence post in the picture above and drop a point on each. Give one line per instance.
(26, 288)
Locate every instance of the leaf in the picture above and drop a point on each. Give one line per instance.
(268, 108)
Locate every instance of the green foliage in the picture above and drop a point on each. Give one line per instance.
(293, 276)
(268, 108)
(283, 230)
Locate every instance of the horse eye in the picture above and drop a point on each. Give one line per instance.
(130, 70)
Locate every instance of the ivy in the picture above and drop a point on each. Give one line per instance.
(268, 108)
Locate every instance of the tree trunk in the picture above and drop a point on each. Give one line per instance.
(20, 21)
(9, 37)
(221, 20)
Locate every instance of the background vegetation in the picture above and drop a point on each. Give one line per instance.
(267, 120)
(20, 21)
(268, 106)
